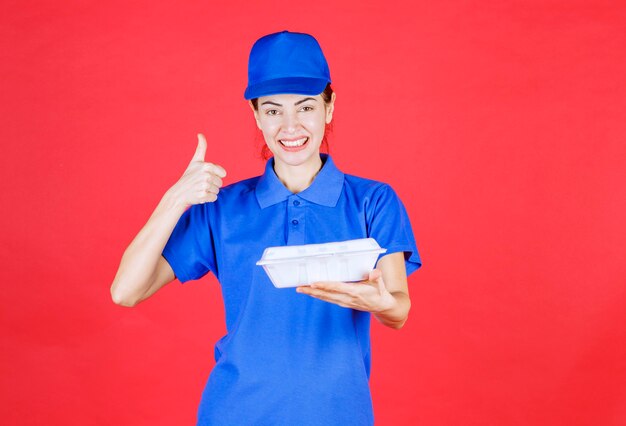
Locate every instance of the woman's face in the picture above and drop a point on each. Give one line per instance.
(293, 126)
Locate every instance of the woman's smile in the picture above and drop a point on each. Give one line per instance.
(293, 145)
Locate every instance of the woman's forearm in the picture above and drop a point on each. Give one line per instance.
(139, 262)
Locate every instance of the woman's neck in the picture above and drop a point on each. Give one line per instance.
(298, 178)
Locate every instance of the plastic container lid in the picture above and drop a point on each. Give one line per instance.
(291, 266)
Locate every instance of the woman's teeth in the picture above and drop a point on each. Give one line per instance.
(295, 143)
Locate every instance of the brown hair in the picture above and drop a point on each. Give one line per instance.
(327, 95)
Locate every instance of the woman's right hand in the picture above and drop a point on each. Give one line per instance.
(201, 182)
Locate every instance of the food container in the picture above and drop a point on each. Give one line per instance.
(292, 266)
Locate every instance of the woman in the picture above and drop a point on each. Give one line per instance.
(287, 358)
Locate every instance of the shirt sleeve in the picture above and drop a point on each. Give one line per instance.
(190, 249)
(389, 225)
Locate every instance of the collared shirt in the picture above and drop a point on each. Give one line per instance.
(287, 358)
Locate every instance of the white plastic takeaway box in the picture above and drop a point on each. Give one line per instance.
(292, 266)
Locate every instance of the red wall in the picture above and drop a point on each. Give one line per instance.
(500, 123)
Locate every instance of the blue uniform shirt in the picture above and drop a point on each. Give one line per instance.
(287, 358)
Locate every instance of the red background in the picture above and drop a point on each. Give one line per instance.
(500, 123)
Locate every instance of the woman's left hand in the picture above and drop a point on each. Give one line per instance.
(369, 295)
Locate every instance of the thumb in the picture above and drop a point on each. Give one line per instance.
(375, 274)
(201, 149)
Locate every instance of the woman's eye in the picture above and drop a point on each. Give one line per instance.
(271, 112)
(307, 108)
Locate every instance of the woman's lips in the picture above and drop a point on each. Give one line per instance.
(294, 144)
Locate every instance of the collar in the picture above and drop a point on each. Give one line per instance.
(324, 190)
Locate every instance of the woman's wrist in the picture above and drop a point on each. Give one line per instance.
(171, 201)
(396, 315)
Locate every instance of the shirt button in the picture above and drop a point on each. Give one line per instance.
(295, 222)
(296, 203)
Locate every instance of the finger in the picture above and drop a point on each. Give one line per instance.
(207, 197)
(215, 180)
(215, 169)
(326, 296)
(201, 149)
(219, 171)
(334, 286)
(375, 275)
(212, 189)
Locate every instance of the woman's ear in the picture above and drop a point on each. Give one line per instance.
(256, 114)
(330, 108)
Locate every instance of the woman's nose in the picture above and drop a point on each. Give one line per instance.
(290, 122)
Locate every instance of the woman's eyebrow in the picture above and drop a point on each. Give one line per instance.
(297, 103)
(304, 100)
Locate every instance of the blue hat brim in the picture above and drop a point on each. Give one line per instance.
(290, 85)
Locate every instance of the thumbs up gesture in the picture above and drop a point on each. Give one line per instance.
(201, 181)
